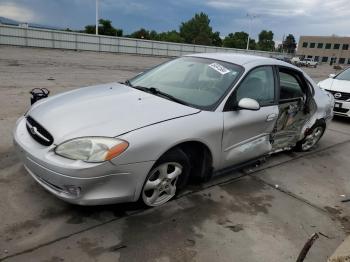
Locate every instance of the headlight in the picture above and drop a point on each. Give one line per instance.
(92, 149)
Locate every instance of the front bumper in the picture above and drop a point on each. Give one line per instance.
(78, 182)
(341, 108)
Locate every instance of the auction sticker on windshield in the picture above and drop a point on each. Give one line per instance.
(219, 68)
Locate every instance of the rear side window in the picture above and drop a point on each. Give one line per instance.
(258, 85)
(290, 87)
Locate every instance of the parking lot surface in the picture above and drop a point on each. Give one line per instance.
(260, 213)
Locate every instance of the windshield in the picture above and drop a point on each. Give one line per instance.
(345, 75)
(198, 82)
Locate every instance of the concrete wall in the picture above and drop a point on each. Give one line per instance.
(338, 48)
(32, 37)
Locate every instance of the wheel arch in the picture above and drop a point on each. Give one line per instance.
(318, 121)
(200, 157)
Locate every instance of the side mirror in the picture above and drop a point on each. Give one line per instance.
(249, 104)
(331, 76)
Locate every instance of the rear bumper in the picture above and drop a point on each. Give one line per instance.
(78, 182)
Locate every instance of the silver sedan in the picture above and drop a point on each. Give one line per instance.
(186, 119)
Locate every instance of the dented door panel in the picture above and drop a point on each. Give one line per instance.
(247, 134)
(293, 110)
(289, 124)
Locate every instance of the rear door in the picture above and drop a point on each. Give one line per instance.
(293, 107)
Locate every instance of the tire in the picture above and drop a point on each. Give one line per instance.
(315, 134)
(168, 175)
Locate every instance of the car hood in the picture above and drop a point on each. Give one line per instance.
(336, 85)
(103, 110)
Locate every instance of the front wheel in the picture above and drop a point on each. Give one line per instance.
(310, 140)
(168, 175)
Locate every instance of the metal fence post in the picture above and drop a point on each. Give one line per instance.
(76, 42)
(52, 40)
(26, 36)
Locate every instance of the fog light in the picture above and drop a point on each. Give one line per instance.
(73, 190)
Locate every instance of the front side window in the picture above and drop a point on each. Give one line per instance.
(345, 75)
(259, 85)
(199, 82)
(290, 86)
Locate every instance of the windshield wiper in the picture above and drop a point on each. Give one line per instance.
(155, 91)
(128, 83)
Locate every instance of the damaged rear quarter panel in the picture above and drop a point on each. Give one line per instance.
(321, 107)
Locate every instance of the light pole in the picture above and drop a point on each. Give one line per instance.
(251, 17)
(96, 17)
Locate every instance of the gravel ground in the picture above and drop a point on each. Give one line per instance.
(22, 69)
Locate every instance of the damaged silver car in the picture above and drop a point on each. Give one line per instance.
(187, 119)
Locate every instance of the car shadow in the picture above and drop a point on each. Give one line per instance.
(341, 119)
(103, 213)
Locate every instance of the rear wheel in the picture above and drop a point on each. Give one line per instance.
(312, 138)
(169, 174)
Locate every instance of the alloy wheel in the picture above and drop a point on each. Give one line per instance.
(312, 139)
(160, 186)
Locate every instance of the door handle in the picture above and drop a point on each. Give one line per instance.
(271, 117)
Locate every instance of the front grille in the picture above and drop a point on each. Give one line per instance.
(340, 95)
(341, 110)
(38, 133)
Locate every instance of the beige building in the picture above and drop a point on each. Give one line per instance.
(325, 49)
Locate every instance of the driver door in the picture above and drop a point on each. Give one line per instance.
(246, 133)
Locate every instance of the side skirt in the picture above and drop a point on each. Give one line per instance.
(229, 169)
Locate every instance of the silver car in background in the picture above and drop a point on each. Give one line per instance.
(186, 119)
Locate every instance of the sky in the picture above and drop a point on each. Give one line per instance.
(298, 17)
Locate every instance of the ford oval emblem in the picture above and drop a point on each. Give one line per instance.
(337, 95)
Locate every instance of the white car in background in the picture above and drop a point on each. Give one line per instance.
(339, 86)
(309, 62)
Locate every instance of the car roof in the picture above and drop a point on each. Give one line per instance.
(247, 61)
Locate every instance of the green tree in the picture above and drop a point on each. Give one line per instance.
(289, 44)
(197, 30)
(141, 34)
(171, 36)
(266, 42)
(104, 28)
(153, 35)
(216, 39)
(252, 44)
(239, 40)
